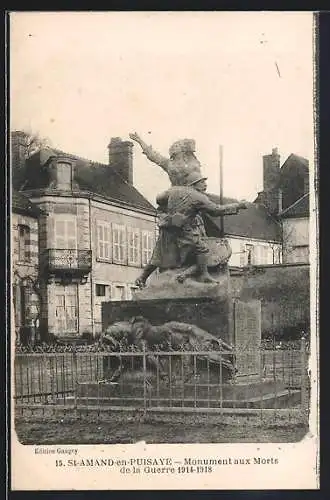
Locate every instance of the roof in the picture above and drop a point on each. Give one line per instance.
(299, 208)
(253, 222)
(22, 204)
(96, 178)
(296, 160)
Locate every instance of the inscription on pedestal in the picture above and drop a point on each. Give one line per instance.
(247, 337)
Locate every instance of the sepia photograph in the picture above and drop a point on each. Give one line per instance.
(164, 249)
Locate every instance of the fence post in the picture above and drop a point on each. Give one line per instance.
(304, 378)
(144, 380)
(52, 378)
(75, 378)
(274, 359)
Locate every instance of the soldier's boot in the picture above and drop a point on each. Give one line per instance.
(204, 274)
(186, 273)
(147, 271)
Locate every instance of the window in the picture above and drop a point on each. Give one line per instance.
(277, 256)
(148, 242)
(300, 253)
(262, 257)
(119, 244)
(23, 243)
(119, 292)
(66, 232)
(249, 251)
(66, 309)
(134, 250)
(130, 291)
(100, 290)
(242, 255)
(102, 294)
(103, 240)
(20, 295)
(63, 175)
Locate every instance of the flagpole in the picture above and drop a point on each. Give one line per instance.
(222, 230)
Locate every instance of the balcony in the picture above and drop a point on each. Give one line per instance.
(67, 264)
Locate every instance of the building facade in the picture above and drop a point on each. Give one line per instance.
(254, 235)
(92, 251)
(286, 197)
(25, 265)
(295, 223)
(96, 232)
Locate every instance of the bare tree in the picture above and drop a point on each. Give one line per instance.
(30, 142)
(24, 145)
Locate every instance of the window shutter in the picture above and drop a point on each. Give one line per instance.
(123, 240)
(106, 242)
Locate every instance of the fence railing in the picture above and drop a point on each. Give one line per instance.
(162, 381)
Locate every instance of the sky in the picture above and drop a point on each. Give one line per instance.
(243, 80)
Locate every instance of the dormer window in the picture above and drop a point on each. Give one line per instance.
(60, 169)
(63, 175)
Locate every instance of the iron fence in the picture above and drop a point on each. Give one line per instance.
(172, 381)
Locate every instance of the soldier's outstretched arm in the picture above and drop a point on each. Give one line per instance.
(232, 208)
(151, 153)
(206, 205)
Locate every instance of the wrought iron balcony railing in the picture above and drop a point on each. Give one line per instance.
(68, 260)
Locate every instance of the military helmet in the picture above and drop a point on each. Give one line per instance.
(182, 146)
(194, 177)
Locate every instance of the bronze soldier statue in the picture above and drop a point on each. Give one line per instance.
(185, 206)
(181, 162)
(180, 209)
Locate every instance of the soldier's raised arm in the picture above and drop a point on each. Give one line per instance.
(151, 153)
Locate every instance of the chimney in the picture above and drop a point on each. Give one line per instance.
(121, 158)
(280, 201)
(271, 177)
(18, 149)
(271, 170)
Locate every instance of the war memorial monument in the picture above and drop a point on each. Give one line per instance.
(184, 302)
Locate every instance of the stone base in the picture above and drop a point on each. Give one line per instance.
(165, 286)
(262, 394)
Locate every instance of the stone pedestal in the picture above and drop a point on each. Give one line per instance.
(262, 394)
(210, 307)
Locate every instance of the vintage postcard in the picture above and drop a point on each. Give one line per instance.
(164, 251)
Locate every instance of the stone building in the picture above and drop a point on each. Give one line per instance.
(272, 236)
(295, 224)
(254, 235)
(96, 232)
(25, 265)
(286, 197)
